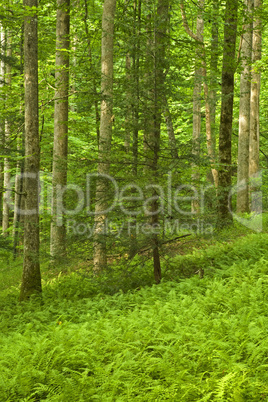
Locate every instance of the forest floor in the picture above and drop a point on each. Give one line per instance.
(187, 339)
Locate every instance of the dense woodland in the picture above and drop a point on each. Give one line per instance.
(133, 182)
(127, 125)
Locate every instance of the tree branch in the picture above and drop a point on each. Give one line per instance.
(186, 25)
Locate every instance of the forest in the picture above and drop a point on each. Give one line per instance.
(133, 206)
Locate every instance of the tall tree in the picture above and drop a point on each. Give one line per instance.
(200, 77)
(60, 149)
(198, 37)
(17, 221)
(92, 71)
(31, 277)
(2, 124)
(214, 56)
(7, 166)
(226, 120)
(156, 93)
(170, 130)
(255, 95)
(106, 121)
(244, 113)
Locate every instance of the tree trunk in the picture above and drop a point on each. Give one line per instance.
(133, 246)
(129, 97)
(17, 221)
(225, 137)
(2, 125)
(159, 95)
(7, 166)
(170, 130)
(255, 98)
(18, 196)
(31, 278)
(214, 80)
(60, 150)
(197, 106)
(92, 70)
(244, 113)
(106, 120)
(200, 76)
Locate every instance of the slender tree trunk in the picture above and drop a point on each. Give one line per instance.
(255, 98)
(17, 221)
(2, 122)
(135, 115)
(136, 70)
(7, 166)
(129, 96)
(200, 76)
(244, 113)
(92, 70)
(31, 277)
(214, 80)
(159, 95)
(170, 130)
(225, 137)
(60, 150)
(106, 120)
(197, 106)
(18, 197)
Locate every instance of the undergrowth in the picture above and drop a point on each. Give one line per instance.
(184, 340)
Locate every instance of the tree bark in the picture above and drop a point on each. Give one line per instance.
(7, 166)
(92, 70)
(60, 150)
(214, 80)
(17, 221)
(159, 95)
(255, 97)
(31, 277)
(2, 123)
(225, 136)
(200, 76)
(244, 113)
(170, 130)
(106, 120)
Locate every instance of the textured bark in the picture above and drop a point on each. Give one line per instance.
(135, 69)
(93, 77)
(18, 198)
(60, 149)
(7, 166)
(225, 137)
(106, 120)
(129, 95)
(159, 95)
(2, 125)
(255, 96)
(244, 113)
(200, 76)
(170, 130)
(199, 54)
(154, 83)
(214, 80)
(31, 277)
